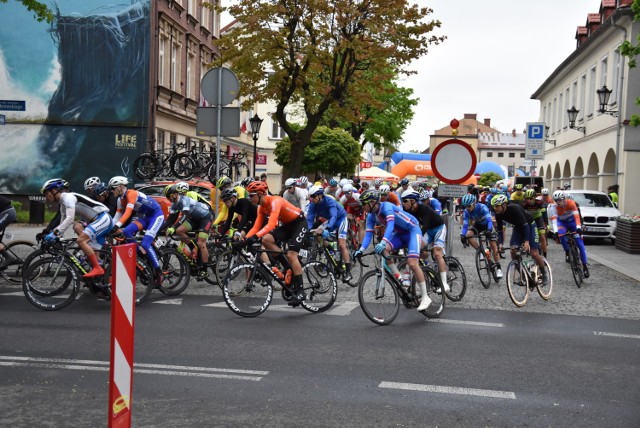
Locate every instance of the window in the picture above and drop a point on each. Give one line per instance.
(175, 60)
(521, 155)
(172, 139)
(489, 154)
(574, 93)
(583, 96)
(567, 106)
(160, 140)
(191, 7)
(603, 72)
(161, 61)
(561, 113)
(616, 77)
(500, 154)
(191, 79)
(277, 133)
(512, 155)
(377, 151)
(554, 112)
(204, 19)
(592, 91)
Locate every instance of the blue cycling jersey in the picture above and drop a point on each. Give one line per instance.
(480, 215)
(327, 208)
(394, 218)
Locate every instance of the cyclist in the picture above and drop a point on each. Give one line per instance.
(295, 195)
(377, 183)
(524, 230)
(222, 184)
(535, 207)
(565, 218)
(332, 188)
(328, 208)
(7, 216)
(146, 215)
(104, 195)
(402, 231)
(243, 210)
(404, 186)
(434, 231)
(350, 200)
(194, 216)
(386, 195)
(433, 203)
(184, 189)
(293, 229)
(546, 201)
(94, 213)
(518, 194)
(90, 184)
(480, 216)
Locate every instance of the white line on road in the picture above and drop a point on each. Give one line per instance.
(212, 372)
(448, 390)
(477, 323)
(169, 302)
(626, 336)
(343, 309)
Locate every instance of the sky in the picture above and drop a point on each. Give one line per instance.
(497, 53)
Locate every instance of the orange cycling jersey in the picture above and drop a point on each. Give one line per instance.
(277, 209)
(134, 201)
(393, 198)
(565, 212)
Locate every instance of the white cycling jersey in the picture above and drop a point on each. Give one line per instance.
(74, 205)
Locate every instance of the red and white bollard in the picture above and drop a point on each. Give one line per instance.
(123, 303)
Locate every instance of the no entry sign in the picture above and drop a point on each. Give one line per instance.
(453, 161)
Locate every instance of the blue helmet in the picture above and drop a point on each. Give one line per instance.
(100, 189)
(333, 182)
(467, 200)
(404, 181)
(54, 183)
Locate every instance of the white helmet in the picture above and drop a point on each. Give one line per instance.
(347, 188)
(545, 191)
(303, 180)
(342, 182)
(384, 189)
(182, 187)
(290, 182)
(410, 194)
(558, 195)
(377, 182)
(91, 182)
(316, 190)
(118, 180)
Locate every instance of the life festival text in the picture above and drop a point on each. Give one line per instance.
(126, 141)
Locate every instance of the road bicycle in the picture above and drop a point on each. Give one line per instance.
(248, 286)
(233, 166)
(456, 277)
(484, 266)
(53, 280)
(327, 252)
(19, 250)
(574, 259)
(163, 163)
(380, 292)
(523, 275)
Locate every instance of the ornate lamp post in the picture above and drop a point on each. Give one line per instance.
(256, 123)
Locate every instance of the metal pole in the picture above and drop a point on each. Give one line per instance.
(255, 153)
(218, 137)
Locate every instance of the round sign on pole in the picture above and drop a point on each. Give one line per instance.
(212, 83)
(453, 161)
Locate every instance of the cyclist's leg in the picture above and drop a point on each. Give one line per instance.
(89, 236)
(413, 241)
(296, 230)
(344, 251)
(562, 231)
(438, 236)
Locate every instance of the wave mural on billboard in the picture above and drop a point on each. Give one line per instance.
(84, 82)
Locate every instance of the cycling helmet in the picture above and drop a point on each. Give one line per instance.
(424, 195)
(410, 194)
(545, 191)
(467, 200)
(530, 193)
(303, 180)
(223, 181)
(569, 195)
(118, 180)
(369, 195)
(228, 194)
(100, 189)
(404, 181)
(347, 188)
(377, 182)
(170, 189)
(316, 190)
(257, 186)
(518, 186)
(498, 200)
(182, 187)
(558, 195)
(384, 189)
(566, 185)
(333, 182)
(91, 182)
(349, 181)
(493, 190)
(54, 183)
(342, 182)
(245, 181)
(290, 182)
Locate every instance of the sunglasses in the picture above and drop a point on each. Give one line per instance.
(290, 187)
(251, 195)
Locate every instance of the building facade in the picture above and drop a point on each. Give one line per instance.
(598, 149)
(468, 129)
(507, 149)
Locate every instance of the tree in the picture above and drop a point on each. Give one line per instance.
(489, 179)
(317, 53)
(42, 12)
(331, 151)
(631, 51)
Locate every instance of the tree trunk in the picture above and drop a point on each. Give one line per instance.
(295, 158)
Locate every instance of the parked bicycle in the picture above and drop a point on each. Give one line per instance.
(163, 163)
(380, 293)
(523, 275)
(15, 249)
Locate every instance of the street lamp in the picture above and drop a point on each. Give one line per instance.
(546, 137)
(256, 123)
(573, 113)
(603, 99)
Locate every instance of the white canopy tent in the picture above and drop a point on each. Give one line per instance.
(375, 172)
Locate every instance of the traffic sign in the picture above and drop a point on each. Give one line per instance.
(220, 83)
(12, 105)
(453, 161)
(534, 141)
(452, 190)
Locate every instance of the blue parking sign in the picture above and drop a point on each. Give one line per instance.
(535, 131)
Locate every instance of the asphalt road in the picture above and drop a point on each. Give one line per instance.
(570, 361)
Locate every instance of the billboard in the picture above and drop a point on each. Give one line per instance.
(84, 82)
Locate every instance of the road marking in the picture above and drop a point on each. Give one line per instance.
(169, 302)
(58, 363)
(477, 323)
(343, 309)
(626, 336)
(217, 305)
(17, 293)
(448, 390)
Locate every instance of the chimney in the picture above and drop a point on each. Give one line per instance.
(607, 7)
(593, 22)
(513, 133)
(471, 116)
(487, 122)
(581, 35)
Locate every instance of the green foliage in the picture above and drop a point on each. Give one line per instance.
(331, 151)
(16, 205)
(631, 51)
(489, 179)
(41, 11)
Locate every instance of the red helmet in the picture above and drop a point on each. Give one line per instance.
(257, 186)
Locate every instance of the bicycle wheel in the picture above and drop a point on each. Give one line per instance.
(145, 281)
(321, 290)
(247, 289)
(576, 264)
(223, 262)
(483, 268)
(545, 290)
(434, 291)
(456, 278)
(378, 298)
(517, 283)
(50, 283)
(175, 271)
(183, 166)
(145, 166)
(20, 250)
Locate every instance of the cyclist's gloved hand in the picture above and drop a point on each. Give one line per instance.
(579, 230)
(380, 247)
(50, 237)
(251, 240)
(39, 236)
(463, 239)
(171, 231)
(326, 234)
(357, 253)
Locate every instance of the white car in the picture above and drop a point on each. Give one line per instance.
(598, 213)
